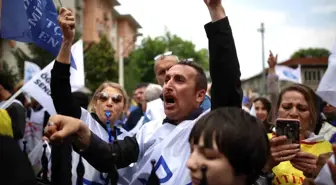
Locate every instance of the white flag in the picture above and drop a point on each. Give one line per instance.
(288, 73)
(327, 86)
(30, 69)
(39, 86)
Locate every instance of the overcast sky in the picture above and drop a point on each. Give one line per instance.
(290, 24)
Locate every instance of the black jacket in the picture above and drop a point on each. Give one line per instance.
(226, 91)
(133, 118)
(15, 167)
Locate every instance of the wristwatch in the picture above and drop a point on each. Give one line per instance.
(269, 176)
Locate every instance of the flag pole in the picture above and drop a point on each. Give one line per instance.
(60, 2)
(11, 99)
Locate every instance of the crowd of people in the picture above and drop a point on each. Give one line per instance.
(180, 131)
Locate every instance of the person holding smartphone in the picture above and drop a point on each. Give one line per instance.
(291, 163)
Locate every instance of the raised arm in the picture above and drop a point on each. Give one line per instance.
(60, 74)
(273, 85)
(224, 66)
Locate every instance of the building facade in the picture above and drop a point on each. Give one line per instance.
(312, 71)
(101, 18)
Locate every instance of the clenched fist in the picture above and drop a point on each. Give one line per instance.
(66, 20)
(213, 3)
(61, 127)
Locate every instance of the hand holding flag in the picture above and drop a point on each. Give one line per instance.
(66, 20)
(33, 21)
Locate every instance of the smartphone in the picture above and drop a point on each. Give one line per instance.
(289, 128)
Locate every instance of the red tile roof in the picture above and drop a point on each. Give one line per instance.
(306, 61)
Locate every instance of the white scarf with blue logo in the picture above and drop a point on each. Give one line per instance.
(168, 145)
(91, 175)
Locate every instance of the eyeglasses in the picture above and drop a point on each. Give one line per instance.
(187, 60)
(103, 96)
(169, 53)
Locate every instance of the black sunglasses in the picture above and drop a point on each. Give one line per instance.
(103, 96)
(188, 60)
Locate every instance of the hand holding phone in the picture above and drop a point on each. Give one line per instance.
(289, 128)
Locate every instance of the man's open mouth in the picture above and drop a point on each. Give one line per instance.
(169, 100)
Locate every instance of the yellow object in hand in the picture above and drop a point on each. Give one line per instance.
(5, 123)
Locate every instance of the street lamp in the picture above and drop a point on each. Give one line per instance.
(263, 78)
(121, 57)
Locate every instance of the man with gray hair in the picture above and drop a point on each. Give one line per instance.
(153, 92)
(163, 63)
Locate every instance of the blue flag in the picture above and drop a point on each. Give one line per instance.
(32, 21)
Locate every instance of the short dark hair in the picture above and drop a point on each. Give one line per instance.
(201, 80)
(81, 99)
(6, 81)
(239, 136)
(141, 85)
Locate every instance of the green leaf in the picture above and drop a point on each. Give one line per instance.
(310, 52)
(140, 65)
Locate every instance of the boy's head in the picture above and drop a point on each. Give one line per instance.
(231, 144)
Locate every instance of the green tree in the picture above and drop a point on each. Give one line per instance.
(99, 64)
(310, 52)
(36, 55)
(139, 65)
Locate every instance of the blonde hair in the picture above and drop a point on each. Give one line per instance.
(101, 88)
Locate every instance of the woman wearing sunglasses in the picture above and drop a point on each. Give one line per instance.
(107, 104)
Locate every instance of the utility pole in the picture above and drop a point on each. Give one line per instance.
(263, 79)
(121, 61)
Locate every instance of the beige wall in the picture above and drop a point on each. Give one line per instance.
(98, 19)
(66, 3)
(89, 25)
(126, 31)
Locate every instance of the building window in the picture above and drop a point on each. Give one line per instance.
(79, 4)
(319, 75)
(312, 75)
